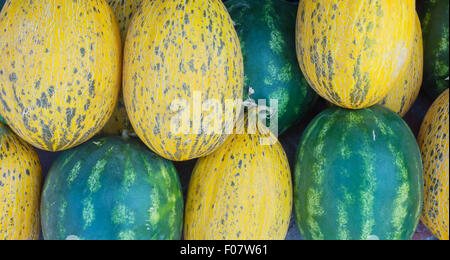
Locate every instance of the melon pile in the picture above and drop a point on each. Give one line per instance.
(123, 93)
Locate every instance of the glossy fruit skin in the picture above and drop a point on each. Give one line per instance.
(406, 90)
(266, 33)
(189, 47)
(112, 188)
(60, 78)
(358, 175)
(435, 28)
(123, 10)
(242, 191)
(433, 141)
(20, 185)
(341, 51)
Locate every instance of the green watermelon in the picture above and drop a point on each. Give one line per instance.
(112, 188)
(434, 18)
(358, 175)
(266, 30)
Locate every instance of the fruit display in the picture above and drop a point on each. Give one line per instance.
(270, 63)
(241, 191)
(124, 11)
(20, 185)
(353, 52)
(189, 54)
(112, 188)
(60, 77)
(358, 175)
(434, 14)
(405, 91)
(433, 141)
(224, 120)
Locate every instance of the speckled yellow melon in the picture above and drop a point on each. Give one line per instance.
(433, 141)
(405, 91)
(241, 191)
(123, 11)
(352, 52)
(20, 185)
(176, 51)
(60, 70)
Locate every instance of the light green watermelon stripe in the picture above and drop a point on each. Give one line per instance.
(368, 192)
(276, 43)
(88, 213)
(122, 215)
(343, 216)
(127, 235)
(73, 174)
(61, 216)
(129, 177)
(342, 221)
(94, 183)
(400, 203)
(68, 159)
(314, 194)
(369, 180)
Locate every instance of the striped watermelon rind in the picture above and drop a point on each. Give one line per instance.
(112, 188)
(266, 30)
(435, 26)
(358, 175)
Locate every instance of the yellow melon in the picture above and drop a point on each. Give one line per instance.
(20, 186)
(433, 142)
(241, 191)
(124, 11)
(353, 52)
(181, 52)
(60, 70)
(405, 91)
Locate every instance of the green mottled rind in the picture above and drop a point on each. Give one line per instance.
(435, 27)
(2, 120)
(112, 188)
(266, 30)
(358, 175)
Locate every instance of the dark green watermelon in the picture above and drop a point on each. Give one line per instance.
(358, 175)
(435, 26)
(112, 188)
(266, 30)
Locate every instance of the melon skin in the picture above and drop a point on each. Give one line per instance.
(175, 49)
(266, 33)
(434, 143)
(358, 176)
(341, 51)
(112, 188)
(406, 90)
(124, 11)
(242, 191)
(435, 26)
(59, 78)
(20, 186)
